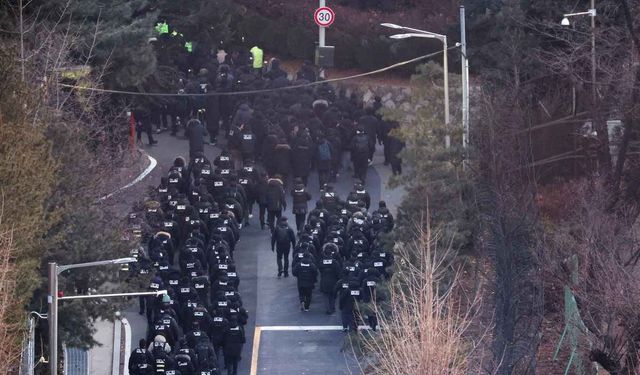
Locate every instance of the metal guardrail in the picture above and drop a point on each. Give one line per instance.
(76, 361)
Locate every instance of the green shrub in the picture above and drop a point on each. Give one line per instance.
(300, 43)
(346, 45)
(372, 53)
(275, 40)
(253, 27)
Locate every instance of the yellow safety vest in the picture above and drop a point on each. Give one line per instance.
(258, 57)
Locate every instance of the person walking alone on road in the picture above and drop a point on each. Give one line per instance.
(143, 118)
(195, 133)
(395, 147)
(275, 200)
(324, 161)
(300, 198)
(283, 239)
(360, 154)
(307, 274)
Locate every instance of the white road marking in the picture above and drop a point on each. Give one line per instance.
(307, 328)
(152, 164)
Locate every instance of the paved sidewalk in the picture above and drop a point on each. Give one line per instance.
(100, 356)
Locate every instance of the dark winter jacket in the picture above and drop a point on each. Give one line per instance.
(195, 133)
(140, 362)
(300, 198)
(301, 155)
(233, 341)
(243, 115)
(282, 159)
(329, 274)
(371, 127)
(360, 147)
(275, 198)
(283, 237)
(306, 272)
(395, 146)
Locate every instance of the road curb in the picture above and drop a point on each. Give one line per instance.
(117, 340)
(127, 345)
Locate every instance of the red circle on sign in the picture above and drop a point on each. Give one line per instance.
(324, 16)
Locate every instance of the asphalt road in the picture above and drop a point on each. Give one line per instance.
(291, 341)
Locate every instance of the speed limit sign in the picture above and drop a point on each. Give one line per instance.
(324, 16)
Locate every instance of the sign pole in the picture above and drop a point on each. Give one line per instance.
(322, 36)
(132, 132)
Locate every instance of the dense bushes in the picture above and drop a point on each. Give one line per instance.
(353, 51)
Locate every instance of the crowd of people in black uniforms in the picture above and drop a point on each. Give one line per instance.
(190, 225)
(342, 244)
(188, 239)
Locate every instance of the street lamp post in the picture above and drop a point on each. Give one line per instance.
(591, 13)
(465, 80)
(54, 271)
(415, 33)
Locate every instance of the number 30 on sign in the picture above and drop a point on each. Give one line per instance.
(324, 16)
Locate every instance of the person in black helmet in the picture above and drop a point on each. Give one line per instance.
(307, 273)
(283, 239)
(385, 215)
(359, 193)
(141, 361)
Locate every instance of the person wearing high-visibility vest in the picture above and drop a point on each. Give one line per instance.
(258, 58)
(162, 28)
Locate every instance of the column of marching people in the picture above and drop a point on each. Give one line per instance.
(341, 245)
(190, 225)
(188, 237)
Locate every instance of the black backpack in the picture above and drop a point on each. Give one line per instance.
(282, 235)
(361, 143)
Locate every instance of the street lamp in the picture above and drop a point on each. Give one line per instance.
(54, 271)
(416, 33)
(591, 13)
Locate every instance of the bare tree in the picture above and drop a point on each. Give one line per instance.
(605, 282)
(425, 326)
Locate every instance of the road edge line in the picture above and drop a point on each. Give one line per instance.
(116, 341)
(152, 164)
(255, 350)
(308, 328)
(127, 344)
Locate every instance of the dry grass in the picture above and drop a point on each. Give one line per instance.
(426, 328)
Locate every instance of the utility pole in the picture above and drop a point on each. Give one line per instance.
(322, 36)
(593, 55)
(52, 316)
(465, 79)
(445, 63)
